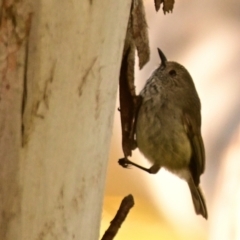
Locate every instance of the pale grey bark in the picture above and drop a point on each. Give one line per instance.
(64, 79)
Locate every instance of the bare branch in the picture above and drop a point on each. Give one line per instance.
(126, 204)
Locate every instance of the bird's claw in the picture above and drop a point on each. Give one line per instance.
(123, 162)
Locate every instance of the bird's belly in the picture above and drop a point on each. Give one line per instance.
(163, 140)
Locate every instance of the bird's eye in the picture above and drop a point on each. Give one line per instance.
(172, 73)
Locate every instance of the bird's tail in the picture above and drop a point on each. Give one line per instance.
(198, 199)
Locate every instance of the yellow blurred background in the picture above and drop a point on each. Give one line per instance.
(204, 36)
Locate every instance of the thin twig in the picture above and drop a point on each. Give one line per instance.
(126, 204)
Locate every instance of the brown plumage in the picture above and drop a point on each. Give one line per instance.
(168, 127)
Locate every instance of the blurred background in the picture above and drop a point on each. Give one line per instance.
(204, 36)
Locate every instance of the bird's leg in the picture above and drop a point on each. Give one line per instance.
(124, 162)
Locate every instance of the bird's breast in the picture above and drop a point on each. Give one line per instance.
(160, 134)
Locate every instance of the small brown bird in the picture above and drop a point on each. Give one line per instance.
(168, 127)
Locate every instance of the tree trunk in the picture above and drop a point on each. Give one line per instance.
(59, 69)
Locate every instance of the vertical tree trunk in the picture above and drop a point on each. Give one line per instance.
(59, 69)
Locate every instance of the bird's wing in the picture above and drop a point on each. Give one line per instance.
(197, 162)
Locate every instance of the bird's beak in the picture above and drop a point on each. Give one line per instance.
(163, 58)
